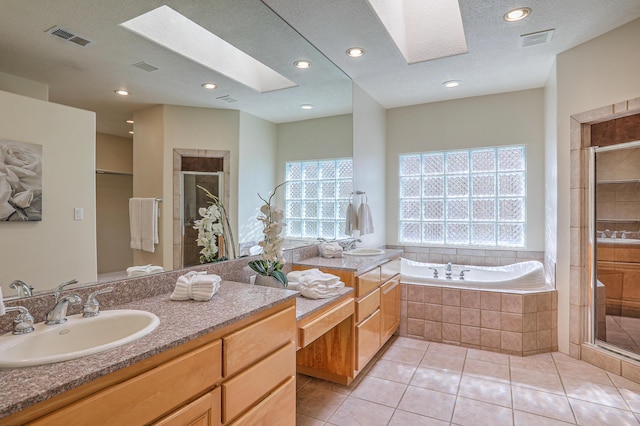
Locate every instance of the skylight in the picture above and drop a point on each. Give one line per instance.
(200, 45)
(423, 30)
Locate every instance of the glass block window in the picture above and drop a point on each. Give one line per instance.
(316, 198)
(473, 197)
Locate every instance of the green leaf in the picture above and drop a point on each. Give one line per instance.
(280, 276)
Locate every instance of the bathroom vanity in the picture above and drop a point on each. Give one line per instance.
(376, 316)
(227, 361)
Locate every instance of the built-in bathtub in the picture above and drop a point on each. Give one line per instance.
(509, 309)
(516, 278)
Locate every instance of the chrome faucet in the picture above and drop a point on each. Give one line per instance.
(462, 273)
(349, 244)
(435, 272)
(24, 290)
(447, 270)
(23, 323)
(58, 315)
(91, 306)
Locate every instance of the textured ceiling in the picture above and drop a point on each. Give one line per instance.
(86, 77)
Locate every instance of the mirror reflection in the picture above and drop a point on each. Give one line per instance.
(252, 142)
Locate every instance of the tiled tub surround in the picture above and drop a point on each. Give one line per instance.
(510, 323)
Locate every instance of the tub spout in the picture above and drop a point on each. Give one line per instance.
(435, 272)
(447, 271)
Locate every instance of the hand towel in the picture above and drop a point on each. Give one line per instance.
(351, 219)
(143, 223)
(136, 271)
(2, 308)
(330, 250)
(197, 286)
(365, 222)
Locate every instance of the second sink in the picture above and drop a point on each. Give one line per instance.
(76, 338)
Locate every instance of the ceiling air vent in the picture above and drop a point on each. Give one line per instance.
(145, 66)
(534, 39)
(69, 36)
(227, 98)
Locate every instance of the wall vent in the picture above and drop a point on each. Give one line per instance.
(145, 66)
(69, 36)
(534, 39)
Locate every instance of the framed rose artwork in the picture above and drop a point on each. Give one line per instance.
(20, 181)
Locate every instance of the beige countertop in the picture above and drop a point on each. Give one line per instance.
(357, 264)
(306, 307)
(180, 322)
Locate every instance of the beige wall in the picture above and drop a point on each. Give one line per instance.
(515, 118)
(22, 86)
(369, 150)
(113, 154)
(601, 72)
(256, 175)
(58, 248)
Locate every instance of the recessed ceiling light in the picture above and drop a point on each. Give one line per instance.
(306, 106)
(517, 14)
(451, 83)
(209, 86)
(129, 121)
(122, 92)
(302, 64)
(355, 52)
(130, 132)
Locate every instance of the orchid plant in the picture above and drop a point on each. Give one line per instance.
(272, 258)
(210, 227)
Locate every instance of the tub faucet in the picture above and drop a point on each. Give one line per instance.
(462, 273)
(24, 290)
(447, 271)
(435, 272)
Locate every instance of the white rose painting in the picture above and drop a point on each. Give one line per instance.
(20, 181)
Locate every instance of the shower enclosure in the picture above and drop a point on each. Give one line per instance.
(614, 191)
(192, 199)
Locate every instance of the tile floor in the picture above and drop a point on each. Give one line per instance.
(624, 332)
(413, 382)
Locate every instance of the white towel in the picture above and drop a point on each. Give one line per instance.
(143, 223)
(2, 309)
(196, 285)
(136, 271)
(314, 284)
(330, 250)
(351, 219)
(365, 222)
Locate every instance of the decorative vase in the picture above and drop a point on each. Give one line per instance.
(268, 281)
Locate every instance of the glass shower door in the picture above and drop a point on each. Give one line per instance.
(616, 227)
(193, 198)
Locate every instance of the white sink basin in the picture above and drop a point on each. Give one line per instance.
(76, 338)
(364, 252)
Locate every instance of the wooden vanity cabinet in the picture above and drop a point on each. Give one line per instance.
(241, 374)
(377, 313)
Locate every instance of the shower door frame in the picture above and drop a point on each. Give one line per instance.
(591, 332)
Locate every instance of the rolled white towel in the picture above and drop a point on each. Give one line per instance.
(196, 285)
(315, 276)
(320, 291)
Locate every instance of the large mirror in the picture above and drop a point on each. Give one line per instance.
(85, 230)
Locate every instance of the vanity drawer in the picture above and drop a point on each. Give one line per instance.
(204, 411)
(254, 383)
(367, 281)
(319, 326)
(257, 340)
(146, 397)
(367, 305)
(279, 408)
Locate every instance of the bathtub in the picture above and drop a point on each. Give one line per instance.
(523, 277)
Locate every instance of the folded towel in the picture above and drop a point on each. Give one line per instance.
(351, 219)
(136, 271)
(196, 285)
(143, 223)
(314, 284)
(330, 250)
(365, 222)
